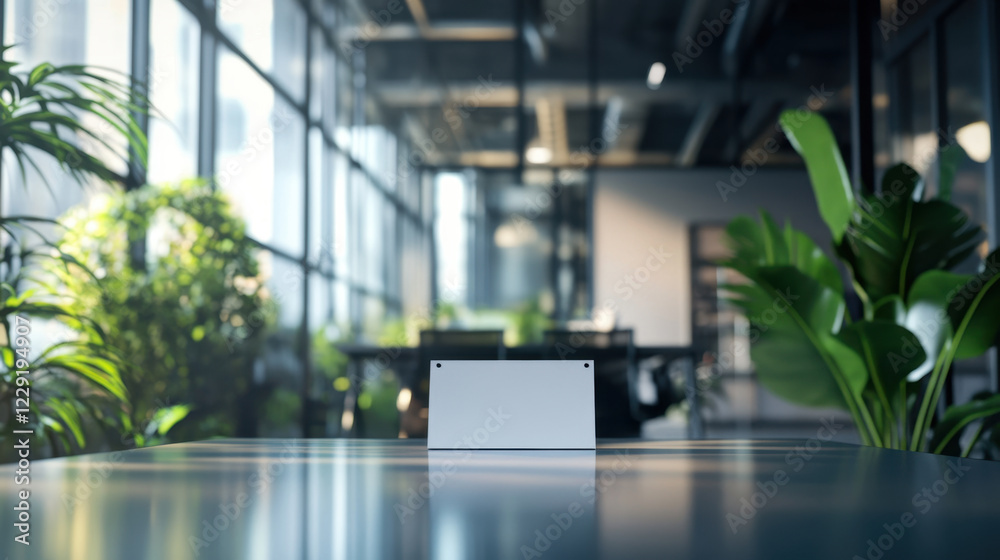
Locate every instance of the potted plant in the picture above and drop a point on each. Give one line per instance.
(886, 367)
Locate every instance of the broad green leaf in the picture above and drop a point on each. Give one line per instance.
(927, 314)
(958, 417)
(889, 351)
(166, 417)
(975, 310)
(904, 182)
(775, 247)
(890, 308)
(793, 318)
(812, 138)
(892, 240)
(755, 245)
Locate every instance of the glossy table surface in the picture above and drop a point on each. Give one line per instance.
(367, 499)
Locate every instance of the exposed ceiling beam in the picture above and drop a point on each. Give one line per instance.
(751, 21)
(468, 31)
(508, 159)
(691, 17)
(697, 133)
(759, 116)
(561, 132)
(451, 31)
(575, 93)
(418, 12)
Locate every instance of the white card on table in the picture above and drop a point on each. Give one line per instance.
(511, 404)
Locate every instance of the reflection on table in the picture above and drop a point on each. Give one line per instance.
(366, 499)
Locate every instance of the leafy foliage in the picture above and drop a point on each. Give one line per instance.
(50, 109)
(190, 316)
(75, 381)
(888, 367)
(75, 385)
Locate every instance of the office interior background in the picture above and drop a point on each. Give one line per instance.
(521, 167)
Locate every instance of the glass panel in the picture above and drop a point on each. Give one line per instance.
(94, 33)
(915, 141)
(280, 366)
(323, 104)
(373, 318)
(374, 242)
(259, 150)
(967, 122)
(342, 306)
(316, 73)
(341, 213)
(344, 104)
(321, 250)
(266, 35)
(452, 240)
(356, 223)
(173, 78)
(414, 268)
(966, 110)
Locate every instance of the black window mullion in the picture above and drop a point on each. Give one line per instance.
(989, 26)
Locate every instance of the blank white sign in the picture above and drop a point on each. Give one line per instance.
(511, 404)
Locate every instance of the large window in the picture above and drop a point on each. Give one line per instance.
(306, 158)
(939, 96)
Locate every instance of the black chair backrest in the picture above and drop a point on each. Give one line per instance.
(460, 345)
(590, 339)
(459, 338)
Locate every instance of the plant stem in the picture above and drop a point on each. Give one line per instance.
(918, 428)
(903, 415)
(975, 438)
(879, 390)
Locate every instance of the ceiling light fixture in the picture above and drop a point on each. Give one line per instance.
(975, 140)
(538, 155)
(656, 73)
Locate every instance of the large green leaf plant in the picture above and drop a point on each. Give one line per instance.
(887, 366)
(75, 383)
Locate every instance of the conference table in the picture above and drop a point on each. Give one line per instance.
(357, 499)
